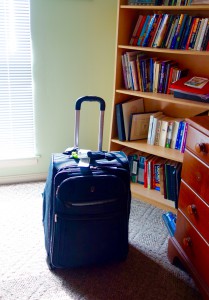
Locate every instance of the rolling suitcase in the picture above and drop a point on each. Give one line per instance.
(86, 203)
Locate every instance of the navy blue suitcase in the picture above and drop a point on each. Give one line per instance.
(86, 204)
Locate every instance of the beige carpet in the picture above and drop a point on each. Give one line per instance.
(146, 274)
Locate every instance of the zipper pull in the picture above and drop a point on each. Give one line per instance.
(55, 218)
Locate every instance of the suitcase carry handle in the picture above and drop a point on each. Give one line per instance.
(90, 99)
(79, 101)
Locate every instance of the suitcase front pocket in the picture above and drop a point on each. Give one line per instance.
(98, 194)
(89, 240)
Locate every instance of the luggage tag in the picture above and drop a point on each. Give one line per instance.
(84, 160)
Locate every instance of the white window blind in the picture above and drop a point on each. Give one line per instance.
(17, 134)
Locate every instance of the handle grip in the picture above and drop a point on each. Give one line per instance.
(90, 99)
(79, 101)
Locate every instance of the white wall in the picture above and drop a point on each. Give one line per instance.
(73, 55)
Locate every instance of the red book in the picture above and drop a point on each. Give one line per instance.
(139, 30)
(180, 85)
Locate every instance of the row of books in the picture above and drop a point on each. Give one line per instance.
(180, 31)
(133, 123)
(160, 2)
(149, 74)
(167, 131)
(156, 173)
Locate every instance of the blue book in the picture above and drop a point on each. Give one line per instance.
(169, 219)
(178, 138)
(149, 29)
(181, 31)
(186, 35)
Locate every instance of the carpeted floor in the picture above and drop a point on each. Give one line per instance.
(146, 274)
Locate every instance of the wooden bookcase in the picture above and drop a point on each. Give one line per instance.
(196, 61)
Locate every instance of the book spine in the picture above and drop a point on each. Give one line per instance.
(202, 34)
(179, 135)
(194, 32)
(134, 35)
(120, 122)
(149, 29)
(124, 72)
(143, 30)
(140, 178)
(169, 134)
(174, 40)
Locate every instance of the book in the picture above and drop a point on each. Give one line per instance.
(158, 130)
(146, 170)
(175, 132)
(163, 131)
(139, 30)
(190, 92)
(156, 166)
(151, 125)
(142, 158)
(120, 122)
(129, 107)
(138, 126)
(196, 82)
(161, 31)
(169, 133)
(149, 29)
(143, 31)
(134, 35)
(133, 162)
(179, 135)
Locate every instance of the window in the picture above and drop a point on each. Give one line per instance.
(17, 134)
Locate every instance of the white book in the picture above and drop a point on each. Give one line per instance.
(154, 128)
(163, 131)
(198, 35)
(151, 124)
(205, 22)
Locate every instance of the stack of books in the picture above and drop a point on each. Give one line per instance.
(149, 74)
(192, 88)
(179, 31)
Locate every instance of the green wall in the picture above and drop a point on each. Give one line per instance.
(73, 55)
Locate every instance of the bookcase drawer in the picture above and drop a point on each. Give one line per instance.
(194, 246)
(196, 210)
(198, 143)
(195, 174)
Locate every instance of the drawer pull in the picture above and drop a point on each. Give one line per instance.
(192, 209)
(187, 242)
(200, 147)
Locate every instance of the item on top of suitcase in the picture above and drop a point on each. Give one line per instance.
(86, 204)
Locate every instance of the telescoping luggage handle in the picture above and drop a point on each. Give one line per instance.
(101, 118)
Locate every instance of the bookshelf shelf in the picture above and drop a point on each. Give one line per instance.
(164, 51)
(175, 8)
(157, 150)
(165, 98)
(152, 197)
(195, 61)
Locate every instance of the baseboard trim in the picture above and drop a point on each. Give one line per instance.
(22, 178)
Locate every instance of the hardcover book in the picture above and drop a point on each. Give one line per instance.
(138, 126)
(129, 107)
